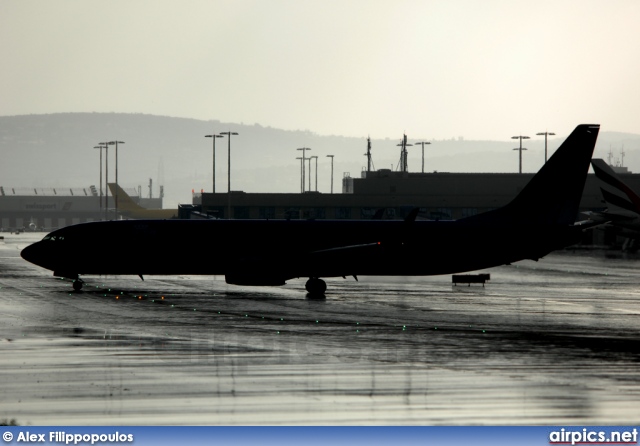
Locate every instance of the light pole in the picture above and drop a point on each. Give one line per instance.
(213, 137)
(310, 158)
(229, 133)
(520, 137)
(422, 143)
(116, 144)
(309, 174)
(301, 176)
(106, 180)
(545, 142)
(100, 147)
(331, 156)
(304, 151)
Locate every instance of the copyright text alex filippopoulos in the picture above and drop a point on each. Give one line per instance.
(61, 437)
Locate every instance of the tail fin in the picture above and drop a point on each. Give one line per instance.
(125, 202)
(552, 197)
(614, 190)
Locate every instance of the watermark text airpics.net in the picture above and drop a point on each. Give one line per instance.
(592, 436)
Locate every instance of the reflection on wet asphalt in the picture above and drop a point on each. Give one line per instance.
(549, 342)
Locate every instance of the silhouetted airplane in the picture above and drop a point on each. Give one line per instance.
(130, 209)
(623, 203)
(270, 252)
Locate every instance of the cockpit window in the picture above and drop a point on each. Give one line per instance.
(53, 238)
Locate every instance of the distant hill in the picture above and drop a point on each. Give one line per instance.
(56, 150)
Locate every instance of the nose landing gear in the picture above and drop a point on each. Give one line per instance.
(77, 284)
(316, 286)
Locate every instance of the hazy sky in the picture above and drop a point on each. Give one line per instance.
(482, 69)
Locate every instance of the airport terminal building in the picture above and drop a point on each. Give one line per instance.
(392, 195)
(381, 194)
(46, 209)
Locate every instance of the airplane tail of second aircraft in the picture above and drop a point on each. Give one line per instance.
(615, 192)
(553, 195)
(125, 202)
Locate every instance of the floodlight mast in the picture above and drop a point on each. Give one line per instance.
(116, 197)
(301, 175)
(213, 137)
(520, 137)
(304, 158)
(106, 179)
(422, 143)
(229, 133)
(331, 156)
(316, 158)
(100, 146)
(545, 142)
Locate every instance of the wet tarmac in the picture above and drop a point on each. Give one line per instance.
(549, 342)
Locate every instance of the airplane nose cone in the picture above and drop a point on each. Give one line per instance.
(33, 254)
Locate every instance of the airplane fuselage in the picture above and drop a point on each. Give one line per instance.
(278, 250)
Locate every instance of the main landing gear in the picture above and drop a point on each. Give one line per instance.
(316, 286)
(77, 284)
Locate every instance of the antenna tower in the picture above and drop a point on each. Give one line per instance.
(404, 167)
(609, 156)
(368, 154)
